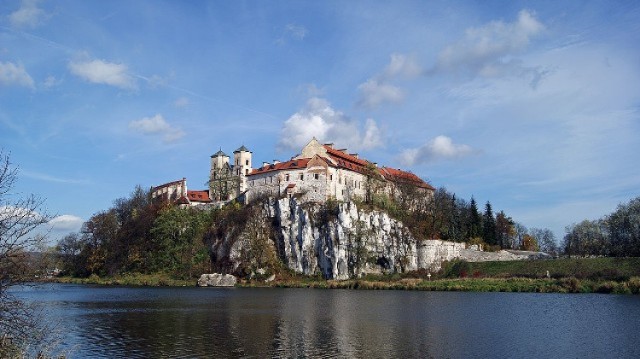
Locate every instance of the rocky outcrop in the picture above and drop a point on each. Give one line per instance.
(216, 280)
(337, 242)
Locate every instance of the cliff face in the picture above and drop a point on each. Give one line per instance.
(339, 242)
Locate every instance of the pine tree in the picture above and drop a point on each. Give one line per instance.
(489, 226)
(475, 222)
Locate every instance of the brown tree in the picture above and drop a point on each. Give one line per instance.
(19, 217)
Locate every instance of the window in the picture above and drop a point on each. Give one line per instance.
(301, 177)
(286, 177)
(316, 176)
(330, 177)
(246, 171)
(246, 162)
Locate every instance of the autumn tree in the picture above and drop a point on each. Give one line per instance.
(505, 230)
(546, 240)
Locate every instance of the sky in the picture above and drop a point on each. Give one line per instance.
(531, 105)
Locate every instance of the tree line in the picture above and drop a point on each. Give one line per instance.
(615, 235)
(448, 217)
(137, 235)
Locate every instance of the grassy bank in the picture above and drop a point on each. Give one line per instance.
(130, 279)
(563, 285)
(566, 275)
(596, 269)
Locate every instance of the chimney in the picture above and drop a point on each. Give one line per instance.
(275, 162)
(354, 155)
(265, 164)
(330, 145)
(343, 150)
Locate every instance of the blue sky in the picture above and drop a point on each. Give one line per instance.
(532, 105)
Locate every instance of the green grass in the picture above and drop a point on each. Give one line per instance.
(598, 269)
(567, 275)
(130, 279)
(563, 285)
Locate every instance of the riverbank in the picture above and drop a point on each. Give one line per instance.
(563, 285)
(566, 275)
(129, 279)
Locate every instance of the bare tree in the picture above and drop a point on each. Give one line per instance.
(19, 217)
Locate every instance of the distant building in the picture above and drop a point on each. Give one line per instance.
(177, 192)
(318, 173)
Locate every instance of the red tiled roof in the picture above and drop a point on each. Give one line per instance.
(344, 160)
(397, 175)
(291, 185)
(198, 196)
(336, 154)
(289, 165)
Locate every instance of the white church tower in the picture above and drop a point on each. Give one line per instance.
(242, 165)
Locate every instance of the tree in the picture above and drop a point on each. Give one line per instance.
(529, 243)
(475, 222)
(505, 230)
(19, 217)
(586, 238)
(546, 240)
(489, 226)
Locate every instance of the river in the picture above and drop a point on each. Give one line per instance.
(128, 322)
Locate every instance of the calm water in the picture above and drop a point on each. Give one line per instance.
(107, 322)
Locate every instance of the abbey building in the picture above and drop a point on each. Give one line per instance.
(320, 172)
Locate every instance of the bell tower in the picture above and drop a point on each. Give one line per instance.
(242, 165)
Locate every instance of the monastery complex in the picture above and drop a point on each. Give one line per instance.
(320, 172)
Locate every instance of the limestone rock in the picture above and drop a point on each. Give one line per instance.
(216, 280)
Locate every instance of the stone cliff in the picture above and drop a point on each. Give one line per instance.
(337, 240)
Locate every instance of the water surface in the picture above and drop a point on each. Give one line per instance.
(119, 322)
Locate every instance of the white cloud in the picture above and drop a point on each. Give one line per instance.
(157, 125)
(102, 72)
(29, 15)
(12, 74)
(402, 66)
(374, 93)
(66, 223)
(318, 119)
(50, 82)
(439, 148)
(487, 50)
(377, 90)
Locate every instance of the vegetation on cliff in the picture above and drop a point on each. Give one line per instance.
(136, 237)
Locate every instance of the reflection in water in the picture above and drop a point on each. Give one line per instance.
(105, 322)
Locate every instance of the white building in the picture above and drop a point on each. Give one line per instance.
(321, 172)
(318, 173)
